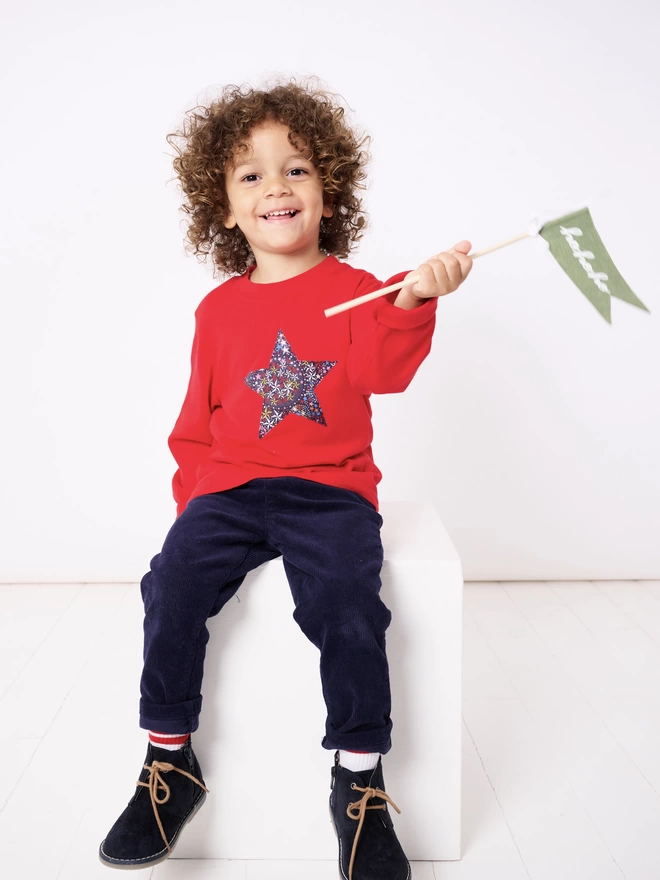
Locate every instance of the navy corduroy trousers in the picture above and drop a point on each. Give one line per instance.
(329, 541)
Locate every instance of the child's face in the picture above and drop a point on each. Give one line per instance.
(273, 176)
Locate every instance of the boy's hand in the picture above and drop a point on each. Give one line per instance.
(438, 276)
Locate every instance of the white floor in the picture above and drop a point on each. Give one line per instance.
(561, 735)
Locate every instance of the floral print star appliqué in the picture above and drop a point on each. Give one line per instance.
(287, 386)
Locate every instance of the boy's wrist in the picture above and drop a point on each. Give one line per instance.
(407, 300)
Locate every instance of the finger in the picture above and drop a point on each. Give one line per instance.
(463, 247)
(441, 274)
(426, 281)
(465, 263)
(412, 286)
(427, 278)
(447, 267)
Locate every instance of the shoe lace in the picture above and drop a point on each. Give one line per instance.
(155, 782)
(357, 811)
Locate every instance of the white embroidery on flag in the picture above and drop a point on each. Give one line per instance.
(582, 256)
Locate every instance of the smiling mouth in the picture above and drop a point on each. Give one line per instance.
(276, 215)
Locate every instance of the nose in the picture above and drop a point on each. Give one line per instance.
(277, 185)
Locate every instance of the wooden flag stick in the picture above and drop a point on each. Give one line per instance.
(496, 247)
(342, 307)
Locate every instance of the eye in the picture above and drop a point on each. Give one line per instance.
(248, 176)
(298, 171)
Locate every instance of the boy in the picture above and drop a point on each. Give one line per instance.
(273, 444)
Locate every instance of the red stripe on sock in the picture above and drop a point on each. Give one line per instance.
(169, 740)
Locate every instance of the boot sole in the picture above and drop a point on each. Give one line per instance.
(138, 864)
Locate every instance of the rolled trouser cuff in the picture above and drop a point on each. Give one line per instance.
(179, 718)
(364, 741)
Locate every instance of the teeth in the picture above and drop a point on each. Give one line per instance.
(278, 213)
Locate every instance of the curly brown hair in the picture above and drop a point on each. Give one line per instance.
(212, 138)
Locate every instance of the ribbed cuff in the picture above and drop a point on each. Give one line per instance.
(356, 762)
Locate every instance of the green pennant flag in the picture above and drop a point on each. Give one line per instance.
(579, 250)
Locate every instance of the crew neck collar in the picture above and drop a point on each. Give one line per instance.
(278, 290)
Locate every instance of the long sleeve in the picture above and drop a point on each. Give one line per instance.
(388, 344)
(191, 439)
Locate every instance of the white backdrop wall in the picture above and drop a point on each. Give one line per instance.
(533, 425)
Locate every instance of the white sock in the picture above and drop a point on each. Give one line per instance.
(170, 741)
(358, 761)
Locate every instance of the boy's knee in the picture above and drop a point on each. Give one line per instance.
(166, 581)
(344, 619)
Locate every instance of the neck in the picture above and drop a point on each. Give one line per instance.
(279, 267)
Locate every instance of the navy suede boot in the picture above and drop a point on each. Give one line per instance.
(169, 792)
(368, 845)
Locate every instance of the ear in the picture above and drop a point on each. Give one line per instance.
(328, 210)
(230, 220)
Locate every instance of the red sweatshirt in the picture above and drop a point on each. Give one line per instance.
(277, 389)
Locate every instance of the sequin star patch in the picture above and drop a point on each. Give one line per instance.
(287, 386)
